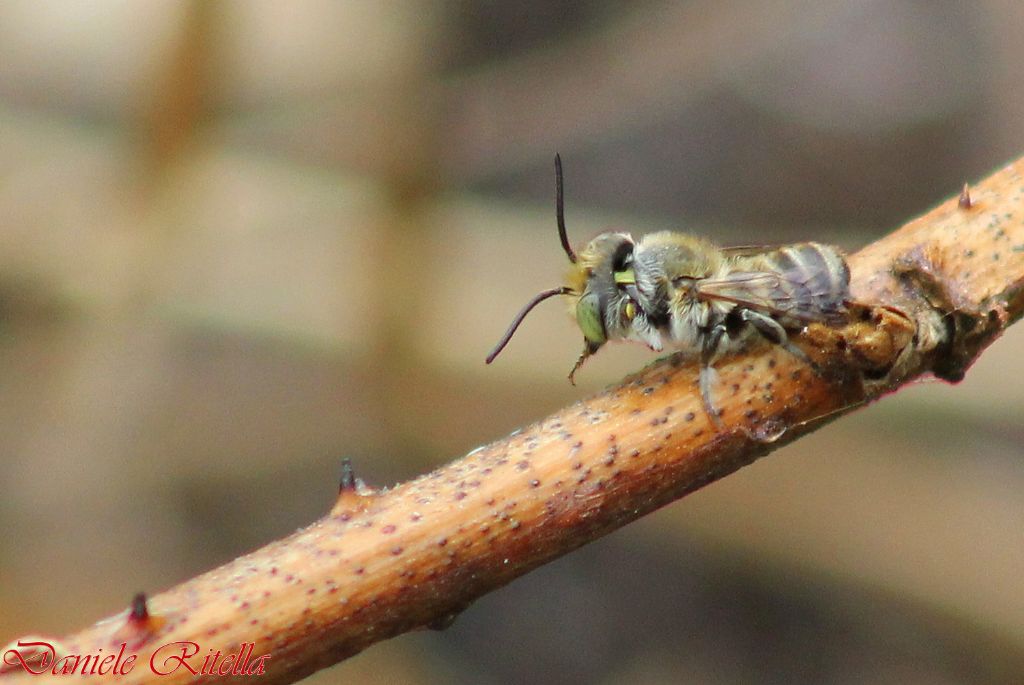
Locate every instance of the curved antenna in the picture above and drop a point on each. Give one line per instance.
(537, 299)
(560, 210)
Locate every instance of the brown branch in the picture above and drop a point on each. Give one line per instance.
(933, 294)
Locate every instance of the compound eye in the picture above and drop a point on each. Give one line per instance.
(622, 258)
(589, 318)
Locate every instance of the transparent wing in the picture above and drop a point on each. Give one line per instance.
(790, 294)
(747, 250)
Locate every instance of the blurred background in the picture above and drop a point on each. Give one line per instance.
(240, 241)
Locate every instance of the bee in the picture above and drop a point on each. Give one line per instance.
(670, 290)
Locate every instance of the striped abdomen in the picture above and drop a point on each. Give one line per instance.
(814, 283)
(795, 284)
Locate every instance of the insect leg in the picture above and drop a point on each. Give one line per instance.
(589, 348)
(709, 346)
(773, 331)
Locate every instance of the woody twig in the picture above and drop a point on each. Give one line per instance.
(932, 295)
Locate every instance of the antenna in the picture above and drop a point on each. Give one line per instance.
(537, 299)
(560, 210)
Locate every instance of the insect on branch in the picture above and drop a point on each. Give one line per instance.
(670, 290)
(930, 297)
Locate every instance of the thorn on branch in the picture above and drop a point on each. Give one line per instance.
(348, 481)
(139, 612)
(965, 198)
(353, 493)
(140, 625)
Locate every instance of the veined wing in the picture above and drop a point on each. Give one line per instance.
(747, 250)
(789, 294)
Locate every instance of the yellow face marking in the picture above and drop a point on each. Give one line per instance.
(626, 277)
